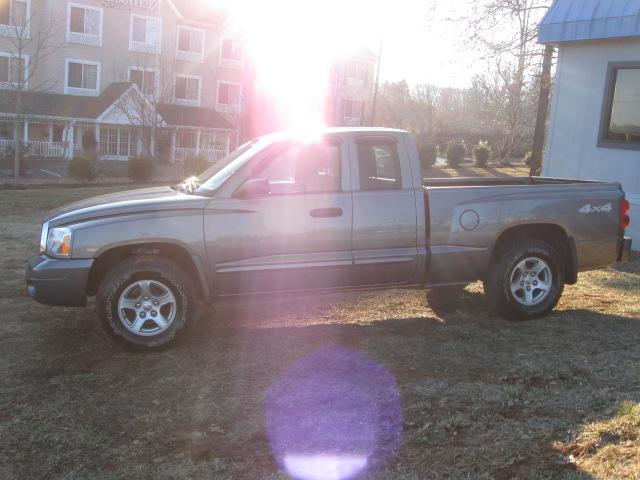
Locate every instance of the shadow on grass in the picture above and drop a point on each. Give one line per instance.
(198, 409)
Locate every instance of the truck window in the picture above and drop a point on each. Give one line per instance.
(299, 168)
(379, 166)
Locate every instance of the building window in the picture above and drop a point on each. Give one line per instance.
(352, 111)
(228, 98)
(118, 142)
(14, 13)
(82, 77)
(187, 90)
(12, 70)
(357, 71)
(145, 34)
(145, 79)
(621, 117)
(190, 44)
(84, 24)
(231, 52)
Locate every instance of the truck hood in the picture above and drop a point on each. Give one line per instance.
(125, 203)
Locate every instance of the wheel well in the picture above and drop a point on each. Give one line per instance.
(114, 256)
(548, 232)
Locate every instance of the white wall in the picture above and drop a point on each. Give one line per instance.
(572, 144)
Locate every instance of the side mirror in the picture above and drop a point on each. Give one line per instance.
(254, 187)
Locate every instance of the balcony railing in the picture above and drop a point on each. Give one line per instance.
(212, 154)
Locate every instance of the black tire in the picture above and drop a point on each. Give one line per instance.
(497, 285)
(161, 273)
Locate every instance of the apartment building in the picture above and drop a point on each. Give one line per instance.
(351, 93)
(118, 70)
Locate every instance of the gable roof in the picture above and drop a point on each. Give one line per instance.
(576, 20)
(59, 105)
(45, 104)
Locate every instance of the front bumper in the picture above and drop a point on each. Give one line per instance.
(58, 282)
(625, 250)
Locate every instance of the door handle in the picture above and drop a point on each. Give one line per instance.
(326, 212)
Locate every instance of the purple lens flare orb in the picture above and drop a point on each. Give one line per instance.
(333, 415)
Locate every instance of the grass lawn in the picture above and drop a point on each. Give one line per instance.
(481, 397)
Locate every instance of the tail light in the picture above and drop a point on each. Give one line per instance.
(625, 221)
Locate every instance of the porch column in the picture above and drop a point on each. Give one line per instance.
(25, 137)
(198, 142)
(70, 141)
(172, 154)
(97, 133)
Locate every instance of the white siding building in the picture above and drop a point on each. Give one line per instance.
(594, 124)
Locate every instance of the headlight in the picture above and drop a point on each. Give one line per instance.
(59, 242)
(43, 237)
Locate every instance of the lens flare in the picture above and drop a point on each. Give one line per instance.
(293, 45)
(333, 415)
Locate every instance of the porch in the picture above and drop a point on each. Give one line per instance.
(63, 140)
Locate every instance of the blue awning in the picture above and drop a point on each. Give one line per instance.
(576, 20)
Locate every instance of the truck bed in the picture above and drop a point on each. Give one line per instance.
(465, 217)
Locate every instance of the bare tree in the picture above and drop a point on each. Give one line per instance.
(154, 84)
(505, 31)
(29, 39)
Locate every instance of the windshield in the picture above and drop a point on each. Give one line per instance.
(214, 176)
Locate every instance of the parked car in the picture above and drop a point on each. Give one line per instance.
(348, 209)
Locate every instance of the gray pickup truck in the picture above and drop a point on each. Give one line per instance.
(348, 208)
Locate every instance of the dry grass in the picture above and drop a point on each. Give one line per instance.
(481, 397)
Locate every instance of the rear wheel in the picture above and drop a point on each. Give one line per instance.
(526, 280)
(146, 302)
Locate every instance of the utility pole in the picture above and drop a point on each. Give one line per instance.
(543, 110)
(377, 84)
(156, 74)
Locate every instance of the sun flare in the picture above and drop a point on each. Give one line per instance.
(292, 46)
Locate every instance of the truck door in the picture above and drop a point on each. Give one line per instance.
(296, 234)
(384, 212)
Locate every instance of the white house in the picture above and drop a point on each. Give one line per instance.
(594, 124)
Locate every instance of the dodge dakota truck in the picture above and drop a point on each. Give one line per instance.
(346, 208)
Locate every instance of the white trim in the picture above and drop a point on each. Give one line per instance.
(84, 38)
(229, 62)
(87, 92)
(185, 101)
(145, 47)
(186, 55)
(12, 30)
(8, 85)
(228, 107)
(144, 69)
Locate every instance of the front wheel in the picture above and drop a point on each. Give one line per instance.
(526, 281)
(145, 302)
